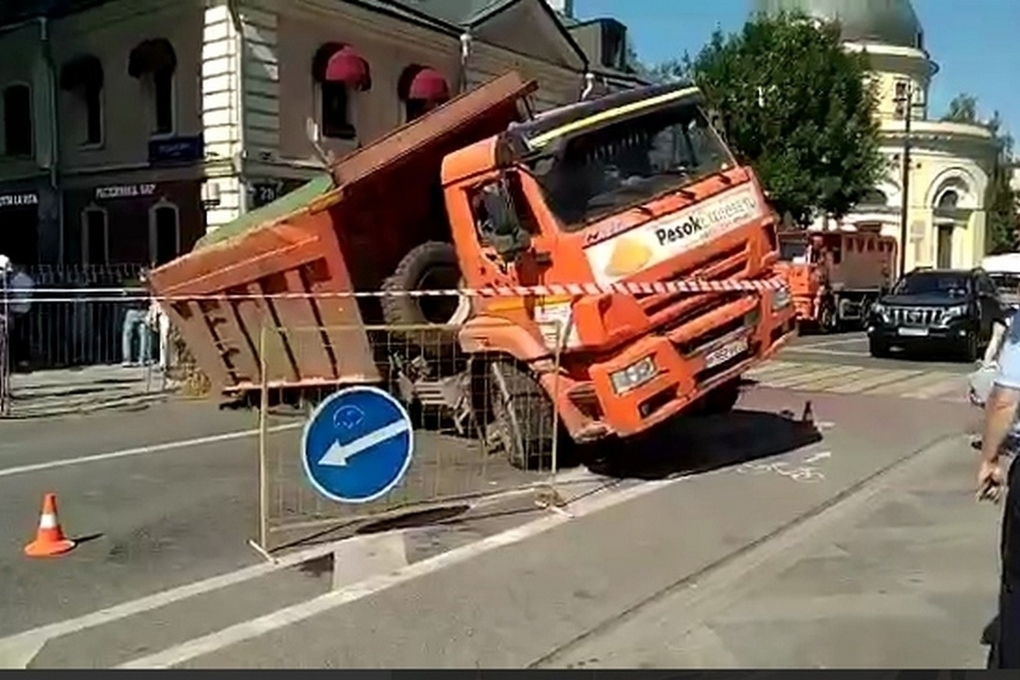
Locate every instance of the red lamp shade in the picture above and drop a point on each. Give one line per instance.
(348, 67)
(428, 85)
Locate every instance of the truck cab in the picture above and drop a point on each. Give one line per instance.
(836, 275)
(634, 188)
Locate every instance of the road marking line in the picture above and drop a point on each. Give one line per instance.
(768, 372)
(772, 366)
(824, 371)
(829, 343)
(953, 383)
(830, 352)
(877, 378)
(287, 616)
(139, 450)
(17, 650)
(823, 384)
(904, 387)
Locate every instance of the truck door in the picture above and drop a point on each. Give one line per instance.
(513, 251)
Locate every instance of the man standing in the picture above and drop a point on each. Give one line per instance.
(1000, 417)
(5, 267)
(16, 301)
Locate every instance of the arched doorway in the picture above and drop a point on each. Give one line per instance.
(945, 226)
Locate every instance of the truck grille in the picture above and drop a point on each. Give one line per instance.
(915, 316)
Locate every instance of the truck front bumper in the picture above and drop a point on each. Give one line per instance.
(658, 376)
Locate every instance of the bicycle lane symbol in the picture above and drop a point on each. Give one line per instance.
(805, 472)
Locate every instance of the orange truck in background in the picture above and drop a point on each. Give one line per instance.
(635, 187)
(835, 276)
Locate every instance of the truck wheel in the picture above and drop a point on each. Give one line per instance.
(828, 320)
(720, 400)
(522, 415)
(431, 266)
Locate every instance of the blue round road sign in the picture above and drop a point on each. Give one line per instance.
(357, 445)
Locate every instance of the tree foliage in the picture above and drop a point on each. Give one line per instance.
(795, 105)
(1001, 201)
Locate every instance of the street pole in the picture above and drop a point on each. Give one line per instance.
(908, 109)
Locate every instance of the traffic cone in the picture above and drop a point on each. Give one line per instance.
(49, 538)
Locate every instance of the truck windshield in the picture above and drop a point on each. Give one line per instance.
(1007, 284)
(953, 285)
(625, 164)
(792, 251)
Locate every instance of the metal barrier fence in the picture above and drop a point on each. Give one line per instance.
(469, 420)
(75, 326)
(82, 351)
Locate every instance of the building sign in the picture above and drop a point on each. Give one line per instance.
(176, 150)
(264, 192)
(125, 191)
(19, 200)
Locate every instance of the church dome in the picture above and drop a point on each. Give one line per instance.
(891, 22)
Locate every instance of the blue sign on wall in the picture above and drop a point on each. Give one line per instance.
(176, 150)
(358, 445)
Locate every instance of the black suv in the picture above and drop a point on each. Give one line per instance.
(937, 308)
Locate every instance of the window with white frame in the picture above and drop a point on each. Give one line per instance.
(164, 233)
(95, 236)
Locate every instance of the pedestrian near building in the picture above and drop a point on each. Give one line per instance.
(16, 286)
(136, 326)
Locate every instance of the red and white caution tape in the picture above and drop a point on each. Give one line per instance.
(549, 290)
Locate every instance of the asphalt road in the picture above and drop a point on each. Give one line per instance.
(559, 598)
(852, 349)
(167, 496)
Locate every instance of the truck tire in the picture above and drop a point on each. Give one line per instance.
(522, 415)
(431, 266)
(828, 317)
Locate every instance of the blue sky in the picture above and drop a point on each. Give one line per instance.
(977, 49)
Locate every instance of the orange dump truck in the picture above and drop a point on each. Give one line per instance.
(835, 276)
(635, 187)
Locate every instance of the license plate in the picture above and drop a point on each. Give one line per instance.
(725, 353)
(913, 332)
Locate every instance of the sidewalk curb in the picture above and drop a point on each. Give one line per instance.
(91, 406)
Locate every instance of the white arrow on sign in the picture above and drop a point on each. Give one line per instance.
(337, 454)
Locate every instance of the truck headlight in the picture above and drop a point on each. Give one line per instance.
(781, 299)
(634, 376)
(878, 309)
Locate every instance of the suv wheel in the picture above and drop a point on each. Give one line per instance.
(878, 348)
(971, 349)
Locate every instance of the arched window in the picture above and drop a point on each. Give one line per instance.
(338, 71)
(95, 236)
(18, 120)
(154, 64)
(421, 89)
(874, 197)
(164, 233)
(949, 200)
(83, 78)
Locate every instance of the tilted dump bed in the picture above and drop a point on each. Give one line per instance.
(276, 277)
